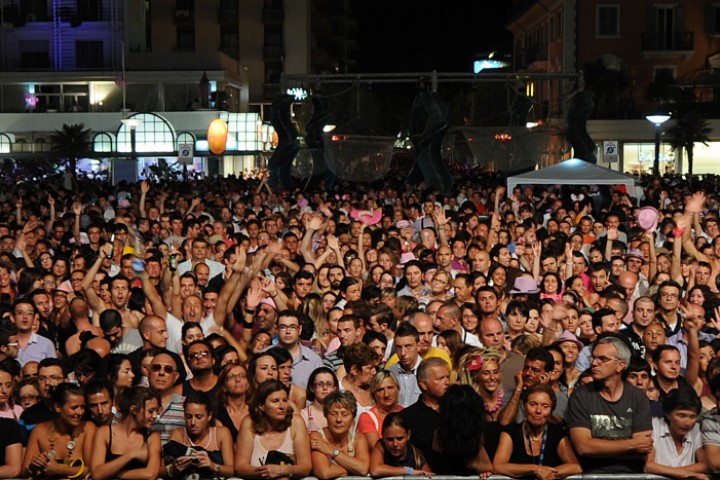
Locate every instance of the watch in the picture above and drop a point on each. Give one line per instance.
(335, 453)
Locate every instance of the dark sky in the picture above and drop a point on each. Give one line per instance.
(425, 35)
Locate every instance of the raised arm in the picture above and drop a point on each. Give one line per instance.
(77, 210)
(236, 281)
(439, 219)
(144, 189)
(152, 296)
(92, 298)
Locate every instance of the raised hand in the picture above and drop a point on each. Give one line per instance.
(695, 203)
(144, 187)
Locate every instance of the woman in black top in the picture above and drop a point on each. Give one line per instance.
(394, 455)
(535, 447)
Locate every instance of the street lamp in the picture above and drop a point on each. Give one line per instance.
(132, 124)
(657, 119)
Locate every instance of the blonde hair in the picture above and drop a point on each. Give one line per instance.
(466, 376)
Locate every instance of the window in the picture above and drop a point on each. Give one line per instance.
(89, 54)
(608, 20)
(102, 142)
(5, 143)
(34, 54)
(229, 39)
(712, 19)
(186, 38)
(154, 134)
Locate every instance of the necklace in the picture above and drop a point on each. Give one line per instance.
(70, 445)
(498, 402)
(205, 447)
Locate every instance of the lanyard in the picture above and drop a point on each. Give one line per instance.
(526, 432)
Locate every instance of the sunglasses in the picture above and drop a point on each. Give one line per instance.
(155, 367)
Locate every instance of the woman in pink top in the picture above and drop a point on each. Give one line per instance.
(385, 391)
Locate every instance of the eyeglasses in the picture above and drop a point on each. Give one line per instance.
(28, 398)
(50, 378)
(291, 328)
(13, 344)
(603, 359)
(198, 355)
(157, 368)
(669, 295)
(25, 312)
(236, 376)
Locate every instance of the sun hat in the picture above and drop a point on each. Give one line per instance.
(648, 218)
(568, 336)
(525, 285)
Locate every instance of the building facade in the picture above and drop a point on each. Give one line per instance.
(638, 57)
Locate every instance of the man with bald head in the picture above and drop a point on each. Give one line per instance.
(629, 282)
(493, 335)
(448, 318)
(481, 262)
(154, 333)
(163, 377)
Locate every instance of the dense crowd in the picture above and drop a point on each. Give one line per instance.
(224, 328)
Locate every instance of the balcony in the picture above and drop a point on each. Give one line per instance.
(667, 41)
(273, 16)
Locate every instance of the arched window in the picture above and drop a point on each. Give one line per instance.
(153, 134)
(185, 138)
(102, 142)
(5, 143)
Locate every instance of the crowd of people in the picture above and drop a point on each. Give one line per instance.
(223, 328)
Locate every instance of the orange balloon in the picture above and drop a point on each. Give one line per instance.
(217, 136)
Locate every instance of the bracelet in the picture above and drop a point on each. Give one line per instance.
(408, 471)
(292, 470)
(167, 470)
(678, 232)
(217, 468)
(273, 296)
(79, 472)
(251, 312)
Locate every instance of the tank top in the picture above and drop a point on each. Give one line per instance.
(110, 456)
(259, 453)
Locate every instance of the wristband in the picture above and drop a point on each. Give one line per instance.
(408, 471)
(679, 232)
(273, 296)
(251, 312)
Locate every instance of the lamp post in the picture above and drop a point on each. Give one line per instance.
(657, 120)
(132, 124)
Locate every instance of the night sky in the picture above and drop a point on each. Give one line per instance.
(425, 35)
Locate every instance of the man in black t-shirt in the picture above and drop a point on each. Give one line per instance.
(433, 377)
(51, 372)
(609, 420)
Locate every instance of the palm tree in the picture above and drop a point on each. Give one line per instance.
(689, 128)
(72, 143)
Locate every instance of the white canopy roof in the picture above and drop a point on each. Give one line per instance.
(572, 172)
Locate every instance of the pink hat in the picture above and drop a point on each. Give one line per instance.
(648, 218)
(406, 257)
(403, 224)
(64, 287)
(269, 301)
(568, 336)
(368, 217)
(525, 285)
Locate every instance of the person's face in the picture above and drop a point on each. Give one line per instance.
(489, 376)
(681, 421)
(413, 276)
(533, 321)
(444, 257)
(323, 386)
(396, 439)
(571, 321)
(289, 330)
(499, 277)
(424, 326)
(669, 298)
(265, 369)
(114, 335)
(386, 395)
(6, 387)
(100, 407)
(379, 348)
(147, 416)
(23, 316)
(43, 304)
(488, 302)
(339, 419)
(491, 334)
(481, 262)
(120, 293)
(157, 334)
(203, 274)
(197, 419)
(192, 308)
(48, 378)
(407, 351)
(200, 358)
(599, 280)
(534, 372)
(702, 275)
(604, 362)
(463, 291)
(444, 320)
(163, 373)
(353, 292)
(639, 379)
(335, 276)
(363, 375)
(571, 352)
(550, 284)
(11, 349)
(437, 381)
(439, 283)
(538, 409)
(653, 337)
(706, 354)
(192, 335)
(72, 410)
(59, 299)
(347, 333)
(385, 261)
(125, 375)
(669, 364)
(236, 381)
(469, 320)
(302, 287)
(516, 321)
(643, 313)
(504, 257)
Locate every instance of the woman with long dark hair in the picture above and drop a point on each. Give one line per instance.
(457, 442)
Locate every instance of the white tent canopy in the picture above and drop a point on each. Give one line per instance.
(572, 172)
